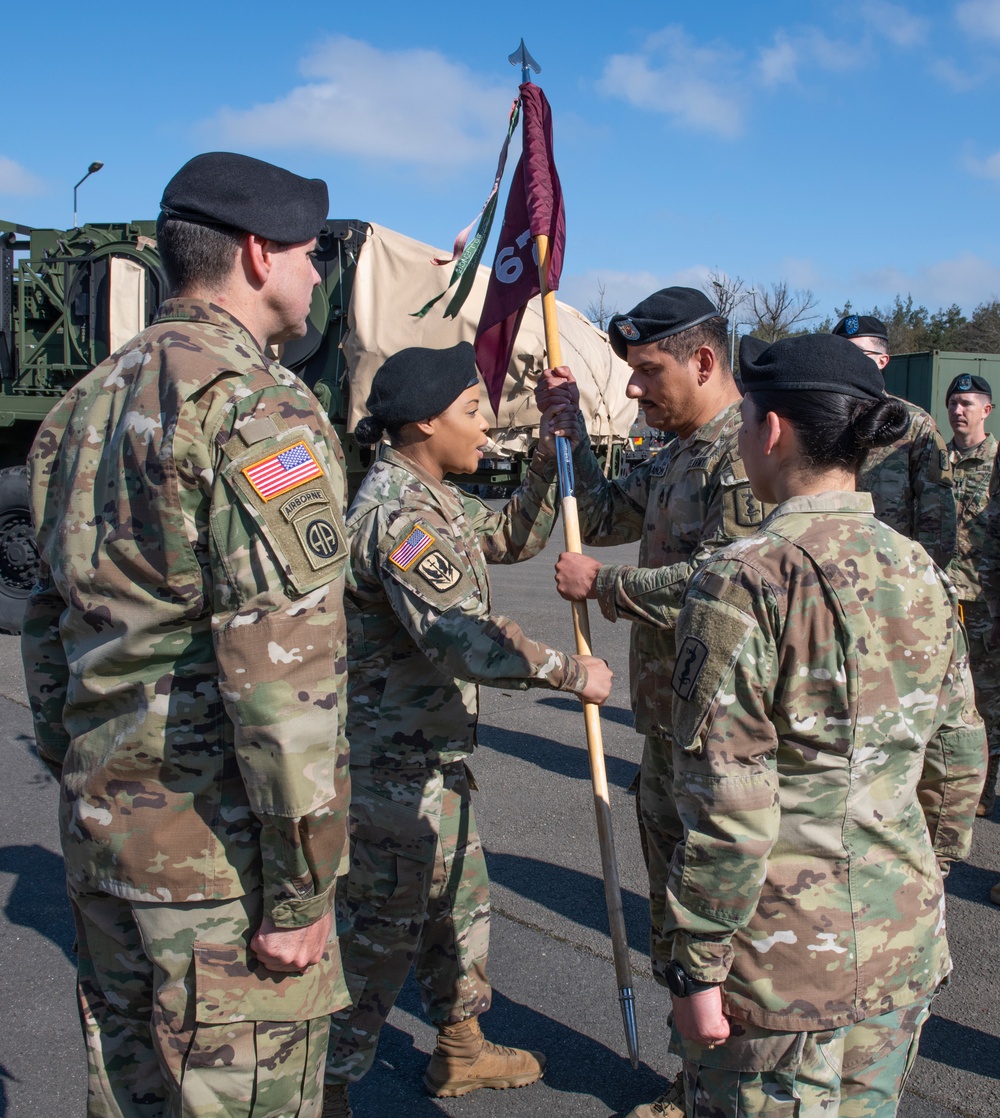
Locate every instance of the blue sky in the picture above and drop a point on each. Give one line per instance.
(852, 147)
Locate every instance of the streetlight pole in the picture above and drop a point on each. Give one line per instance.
(92, 169)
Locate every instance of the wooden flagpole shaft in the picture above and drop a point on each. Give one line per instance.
(591, 711)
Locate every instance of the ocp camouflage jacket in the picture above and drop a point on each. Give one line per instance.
(422, 636)
(184, 649)
(684, 503)
(828, 756)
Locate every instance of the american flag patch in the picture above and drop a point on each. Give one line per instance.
(410, 550)
(277, 473)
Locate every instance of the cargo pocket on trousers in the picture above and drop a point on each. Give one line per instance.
(260, 1035)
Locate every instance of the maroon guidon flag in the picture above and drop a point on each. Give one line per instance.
(534, 207)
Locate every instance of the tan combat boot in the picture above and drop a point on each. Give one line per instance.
(669, 1105)
(464, 1060)
(989, 796)
(336, 1104)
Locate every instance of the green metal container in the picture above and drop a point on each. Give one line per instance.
(923, 378)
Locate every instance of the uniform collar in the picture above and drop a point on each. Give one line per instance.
(443, 490)
(835, 500)
(201, 310)
(983, 452)
(710, 431)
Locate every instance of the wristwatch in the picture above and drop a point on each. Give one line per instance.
(682, 985)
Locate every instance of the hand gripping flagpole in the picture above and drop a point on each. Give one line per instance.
(581, 628)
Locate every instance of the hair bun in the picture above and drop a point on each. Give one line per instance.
(882, 424)
(369, 431)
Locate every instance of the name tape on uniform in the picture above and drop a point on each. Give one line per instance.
(404, 555)
(283, 470)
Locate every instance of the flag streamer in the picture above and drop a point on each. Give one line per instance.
(469, 255)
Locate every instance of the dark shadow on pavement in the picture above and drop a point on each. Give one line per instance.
(621, 715)
(576, 1064)
(960, 1046)
(971, 883)
(565, 760)
(38, 899)
(575, 895)
(4, 1075)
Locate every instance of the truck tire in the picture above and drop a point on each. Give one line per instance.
(18, 551)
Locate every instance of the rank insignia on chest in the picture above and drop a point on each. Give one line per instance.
(404, 555)
(283, 470)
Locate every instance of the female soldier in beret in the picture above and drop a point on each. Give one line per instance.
(828, 759)
(421, 638)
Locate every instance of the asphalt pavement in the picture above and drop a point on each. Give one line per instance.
(554, 983)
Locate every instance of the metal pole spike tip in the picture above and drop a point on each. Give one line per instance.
(627, 1000)
(522, 58)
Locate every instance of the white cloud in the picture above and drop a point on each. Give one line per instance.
(966, 279)
(988, 168)
(15, 179)
(958, 79)
(674, 76)
(979, 18)
(408, 106)
(809, 48)
(895, 22)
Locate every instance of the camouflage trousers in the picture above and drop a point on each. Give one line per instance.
(179, 1020)
(857, 1071)
(984, 660)
(417, 895)
(660, 830)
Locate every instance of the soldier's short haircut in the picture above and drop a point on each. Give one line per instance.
(713, 332)
(876, 345)
(197, 255)
(834, 429)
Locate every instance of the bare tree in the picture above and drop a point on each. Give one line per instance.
(728, 293)
(778, 310)
(599, 311)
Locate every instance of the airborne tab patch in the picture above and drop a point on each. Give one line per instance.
(690, 660)
(404, 555)
(286, 469)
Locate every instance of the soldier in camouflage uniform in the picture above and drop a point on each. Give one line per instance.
(185, 658)
(911, 480)
(828, 759)
(682, 505)
(971, 453)
(422, 640)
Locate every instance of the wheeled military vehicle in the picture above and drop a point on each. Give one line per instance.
(69, 299)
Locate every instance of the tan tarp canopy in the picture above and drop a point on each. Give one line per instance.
(394, 277)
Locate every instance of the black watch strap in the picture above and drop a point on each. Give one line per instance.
(682, 985)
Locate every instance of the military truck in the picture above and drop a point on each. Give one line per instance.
(70, 298)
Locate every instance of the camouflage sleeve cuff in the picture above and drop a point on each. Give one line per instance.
(705, 960)
(607, 590)
(576, 677)
(302, 913)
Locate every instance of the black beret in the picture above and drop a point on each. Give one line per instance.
(222, 188)
(417, 383)
(664, 313)
(860, 326)
(810, 363)
(966, 382)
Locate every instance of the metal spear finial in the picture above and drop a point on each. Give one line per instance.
(522, 58)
